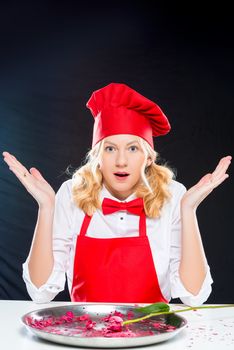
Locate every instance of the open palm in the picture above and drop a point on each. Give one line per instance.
(32, 180)
(196, 194)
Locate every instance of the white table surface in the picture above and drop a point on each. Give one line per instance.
(207, 329)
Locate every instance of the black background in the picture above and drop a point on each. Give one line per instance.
(53, 55)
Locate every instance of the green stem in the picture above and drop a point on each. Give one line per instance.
(172, 312)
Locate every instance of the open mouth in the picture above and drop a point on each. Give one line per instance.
(121, 174)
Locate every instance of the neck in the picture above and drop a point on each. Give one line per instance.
(119, 195)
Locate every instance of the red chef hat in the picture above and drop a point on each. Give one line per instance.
(118, 109)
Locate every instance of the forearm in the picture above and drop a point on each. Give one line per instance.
(193, 263)
(41, 260)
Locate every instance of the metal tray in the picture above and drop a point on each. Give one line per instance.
(153, 330)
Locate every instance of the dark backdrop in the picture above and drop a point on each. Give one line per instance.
(53, 55)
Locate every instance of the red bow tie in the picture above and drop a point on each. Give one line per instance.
(110, 206)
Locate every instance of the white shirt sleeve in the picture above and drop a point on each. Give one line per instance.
(62, 241)
(177, 288)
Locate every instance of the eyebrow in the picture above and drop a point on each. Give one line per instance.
(129, 143)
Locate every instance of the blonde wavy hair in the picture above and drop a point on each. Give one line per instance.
(87, 181)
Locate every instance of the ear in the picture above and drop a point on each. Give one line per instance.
(149, 162)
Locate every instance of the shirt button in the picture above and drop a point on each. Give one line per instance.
(121, 218)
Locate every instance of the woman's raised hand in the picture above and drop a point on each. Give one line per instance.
(196, 194)
(32, 180)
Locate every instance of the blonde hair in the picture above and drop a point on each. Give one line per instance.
(87, 181)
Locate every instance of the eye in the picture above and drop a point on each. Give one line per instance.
(133, 148)
(109, 148)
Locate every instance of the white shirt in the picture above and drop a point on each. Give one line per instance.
(164, 236)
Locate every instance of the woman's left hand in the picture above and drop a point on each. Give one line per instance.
(196, 194)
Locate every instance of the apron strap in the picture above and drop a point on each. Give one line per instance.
(142, 225)
(85, 225)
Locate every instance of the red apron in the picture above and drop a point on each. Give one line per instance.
(118, 270)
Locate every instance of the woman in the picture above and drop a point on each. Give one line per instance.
(122, 229)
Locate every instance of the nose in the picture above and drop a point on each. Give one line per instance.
(121, 159)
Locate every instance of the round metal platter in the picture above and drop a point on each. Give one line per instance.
(150, 331)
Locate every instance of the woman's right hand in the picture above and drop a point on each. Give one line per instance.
(32, 180)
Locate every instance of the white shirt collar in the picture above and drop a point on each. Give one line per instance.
(106, 194)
